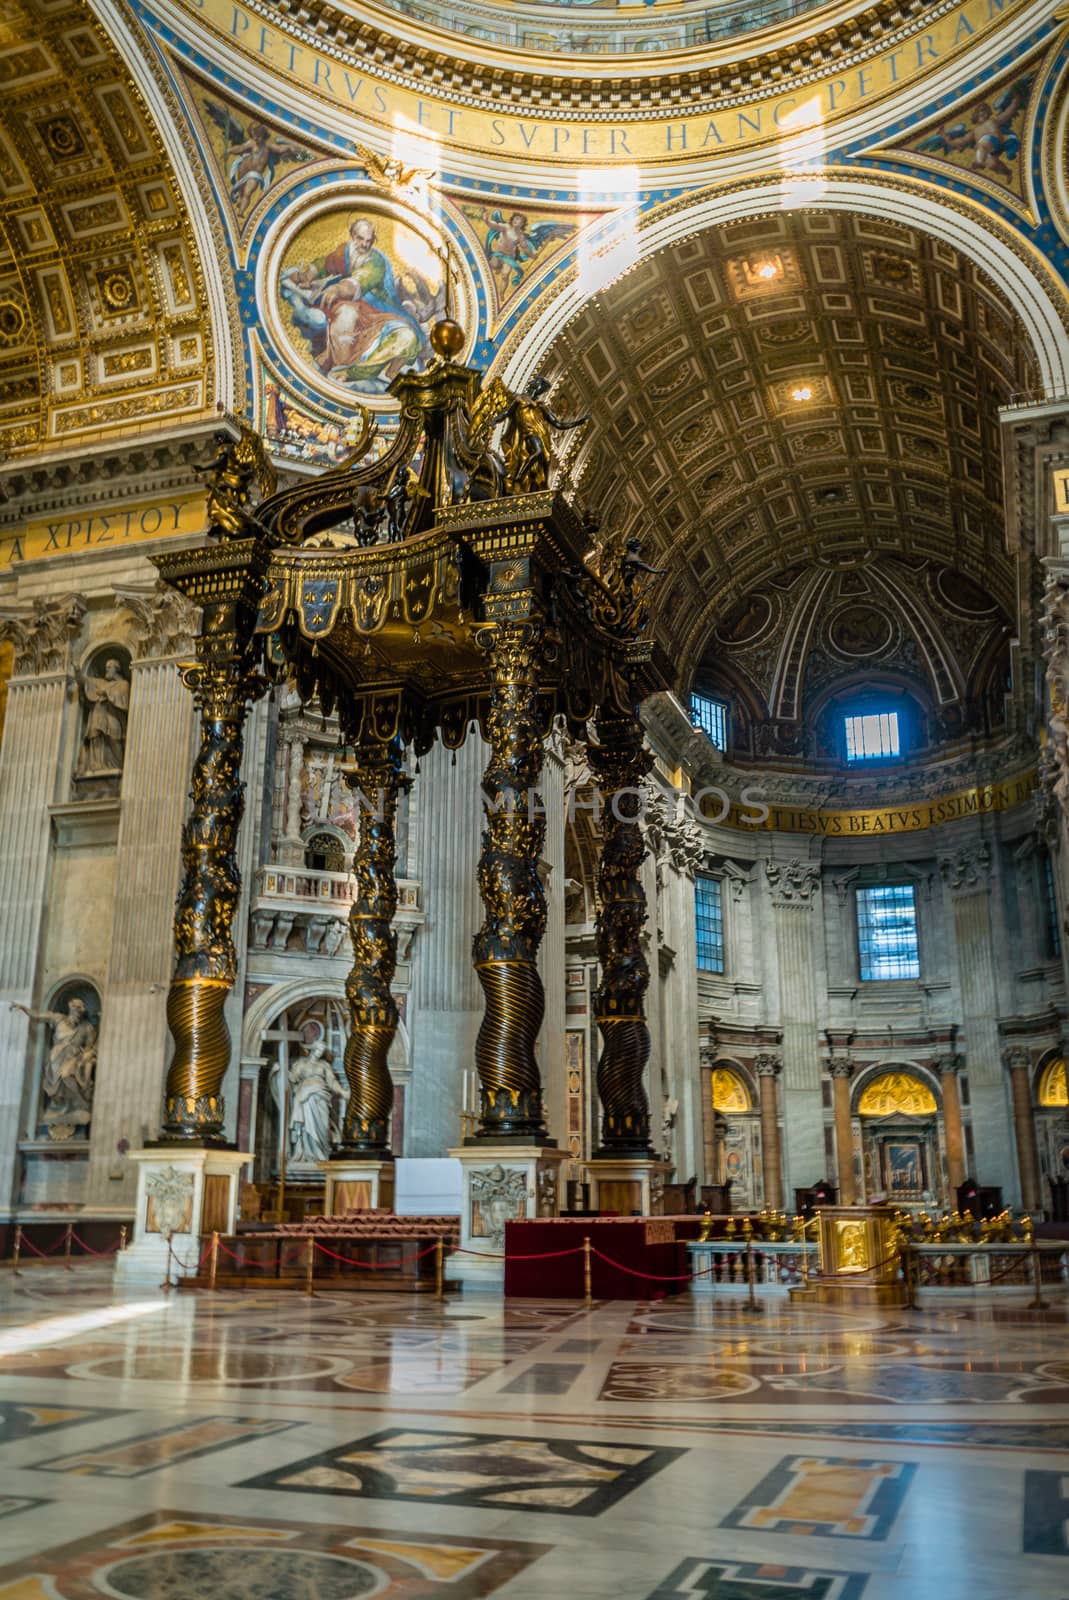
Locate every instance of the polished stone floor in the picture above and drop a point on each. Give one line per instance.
(256, 1447)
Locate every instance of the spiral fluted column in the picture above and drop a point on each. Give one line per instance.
(378, 776)
(505, 949)
(620, 762)
(228, 578)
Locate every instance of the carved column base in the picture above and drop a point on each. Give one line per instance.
(358, 1185)
(512, 1115)
(194, 1120)
(503, 1182)
(632, 1187)
(192, 1191)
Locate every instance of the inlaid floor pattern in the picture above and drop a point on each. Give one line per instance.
(250, 1447)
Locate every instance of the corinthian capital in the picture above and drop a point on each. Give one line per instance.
(793, 882)
(1015, 1058)
(165, 622)
(950, 1064)
(42, 635)
(768, 1065)
(968, 867)
(842, 1067)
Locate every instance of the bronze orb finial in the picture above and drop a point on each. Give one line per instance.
(447, 338)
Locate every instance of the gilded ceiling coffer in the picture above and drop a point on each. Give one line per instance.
(378, 776)
(620, 761)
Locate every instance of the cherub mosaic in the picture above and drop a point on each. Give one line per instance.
(252, 156)
(987, 134)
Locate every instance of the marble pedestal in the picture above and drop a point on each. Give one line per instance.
(629, 1185)
(859, 1259)
(502, 1183)
(356, 1185)
(184, 1192)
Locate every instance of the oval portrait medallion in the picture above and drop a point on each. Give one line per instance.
(861, 630)
(351, 292)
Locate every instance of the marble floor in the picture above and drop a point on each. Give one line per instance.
(259, 1447)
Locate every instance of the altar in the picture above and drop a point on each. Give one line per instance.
(645, 1256)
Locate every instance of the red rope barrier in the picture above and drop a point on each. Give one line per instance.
(29, 1245)
(260, 1266)
(99, 1254)
(653, 1277)
(492, 1255)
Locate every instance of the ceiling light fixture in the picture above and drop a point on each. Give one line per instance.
(802, 393)
(767, 269)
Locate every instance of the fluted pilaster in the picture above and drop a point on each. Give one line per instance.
(133, 1022)
(446, 1001)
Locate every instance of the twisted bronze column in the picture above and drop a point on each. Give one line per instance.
(222, 681)
(378, 775)
(619, 762)
(506, 947)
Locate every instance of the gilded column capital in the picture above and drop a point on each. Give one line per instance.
(768, 1064)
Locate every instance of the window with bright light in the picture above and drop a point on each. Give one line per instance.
(887, 932)
(711, 716)
(709, 919)
(872, 736)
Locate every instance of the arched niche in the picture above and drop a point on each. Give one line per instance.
(302, 1025)
(898, 1107)
(104, 708)
(63, 1046)
(1052, 1124)
(733, 1129)
(1053, 1089)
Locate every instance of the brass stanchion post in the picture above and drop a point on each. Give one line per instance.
(122, 1237)
(18, 1248)
(1037, 1303)
(309, 1267)
(213, 1266)
(67, 1246)
(909, 1274)
(439, 1270)
(166, 1284)
(752, 1303)
(587, 1296)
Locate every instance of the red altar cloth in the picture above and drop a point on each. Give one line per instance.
(645, 1244)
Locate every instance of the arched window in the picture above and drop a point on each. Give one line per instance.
(710, 714)
(325, 852)
(876, 726)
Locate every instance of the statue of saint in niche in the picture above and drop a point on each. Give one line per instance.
(67, 1080)
(313, 1086)
(104, 740)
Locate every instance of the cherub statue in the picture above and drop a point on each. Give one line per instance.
(527, 443)
(235, 467)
